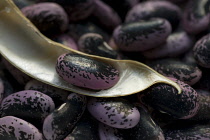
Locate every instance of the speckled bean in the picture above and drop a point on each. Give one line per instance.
(65, 39)
(86, 72)
(59, 96)
(62, 120)
(151, 9)
(30, 105)
(13, 128)
(176, 44)
(86, 128)
(201, 51)
(146, 129)
(199, 132)
(188, 73)
(165, 98)
(109, 133)
(196, 16)
(142, 35)
(114, 112)
(48, 17)
(94, 44)
(105, 15)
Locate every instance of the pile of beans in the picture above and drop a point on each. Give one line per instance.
(171, 36)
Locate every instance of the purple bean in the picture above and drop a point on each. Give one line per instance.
(142, 35)
(62, 120)
(47, 17)
(94, 44)
(86, 72)
(13, 128)
(114, 112)
(165, 98)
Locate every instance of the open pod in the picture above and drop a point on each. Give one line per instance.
(34, 54)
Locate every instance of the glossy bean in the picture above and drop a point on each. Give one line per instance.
(62, 120)
(94, 44)
(53, 17)
(13, 128)
(201, 51)
(165, 98)
(142, 35)
(190, 74)
(86, 72)
(114, 112)
(151, 9)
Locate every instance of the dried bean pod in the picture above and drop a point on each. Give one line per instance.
(109, 133)
(105, 15)
(204, 102)
(30, 105)
(47, 17)
(13, 128)
(59, 96)
(94, 44)
(188, 73)
(201, 51)
(164, 98)
(176, 44)
(196, 16)
(146, 129)
(199, 132)
(151, 9)
(86, 72)
(85, 128)
(62, 120)
(114, 112)
(142, 35)
(65, 39)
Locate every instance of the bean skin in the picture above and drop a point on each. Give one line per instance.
(142, 35)
(85, 72)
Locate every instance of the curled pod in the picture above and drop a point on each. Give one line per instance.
(105, 15)
(79, 9)
(109, 133)
(65, 39)
(197, 132)
(59, 96)
(76, 30)
(146, 129)
(62, 120)
(176, 44)
(201, 51)
(204, 102)
(152, 9)
(142, 35)
(47, 17)
(30, 105)
(114, 112)
(86, 72)
(94, 44)
(13, 128)
(165, 98)
(85, 128)
(188, 73)
(196, 16)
